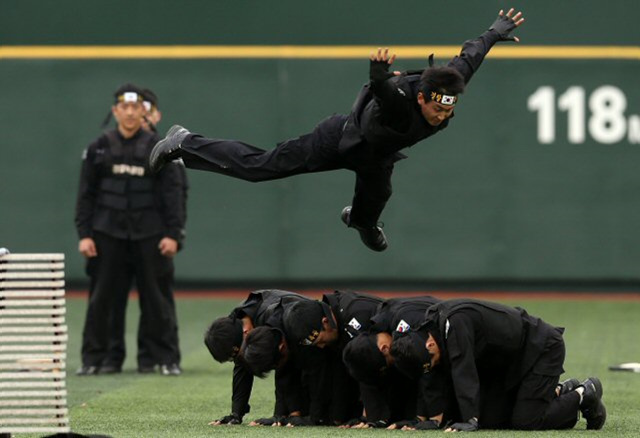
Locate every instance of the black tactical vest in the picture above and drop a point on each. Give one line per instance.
(127, 183)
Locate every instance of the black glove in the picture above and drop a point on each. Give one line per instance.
(298, 421)
(427, 425)
(504, 25)
(379, 71)
(231, 419)
(403, 423)
(355, 421)
(469, 426)
(267, 421)
(380, 424)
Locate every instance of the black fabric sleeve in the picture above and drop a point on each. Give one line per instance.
(291, 394)
(87, 192)
(241, 390)
(473, 53)
(460, 350)
(375, 403)
(393, 106)
(172, 194)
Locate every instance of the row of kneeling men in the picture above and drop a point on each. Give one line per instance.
(356, 360)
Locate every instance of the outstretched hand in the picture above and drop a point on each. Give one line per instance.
(506, 23)
(228, 419)
(379, 65)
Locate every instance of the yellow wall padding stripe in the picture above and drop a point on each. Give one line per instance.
(308, 52)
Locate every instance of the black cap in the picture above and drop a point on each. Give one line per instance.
(303, 320)
(150, 96)
(363, 359)
(223, 338)
(128, 93)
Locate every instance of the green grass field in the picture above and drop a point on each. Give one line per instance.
(598, 333)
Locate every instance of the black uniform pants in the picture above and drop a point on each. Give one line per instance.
(536, 406)
(533, 404)
(110, 281)
(314, 152)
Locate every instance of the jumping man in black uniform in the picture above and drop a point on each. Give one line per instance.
(392, 112)
(129, 222)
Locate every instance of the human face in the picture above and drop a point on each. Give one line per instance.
(151, 119)
(433, 112)
(384, 340)
(328, 335)
(433, 349)
(129, 117)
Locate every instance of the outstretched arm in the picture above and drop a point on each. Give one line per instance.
(474, 51)
(392, 103)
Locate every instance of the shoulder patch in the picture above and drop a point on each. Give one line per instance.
(403, 326)
(355, 324)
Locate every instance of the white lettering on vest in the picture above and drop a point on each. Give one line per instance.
(119, 169)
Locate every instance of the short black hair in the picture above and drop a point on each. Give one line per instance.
(364, 361)
(128, 88)
(302, 320)
(443, 80)
(223, 338)
(150, 96)
(410, 354)
(260, 350)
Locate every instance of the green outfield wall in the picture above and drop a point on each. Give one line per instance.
(536, 179)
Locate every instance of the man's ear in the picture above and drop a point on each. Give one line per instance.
(113, 112)
(421, 100)
(325, 323)
(384, 348)
(282, 346)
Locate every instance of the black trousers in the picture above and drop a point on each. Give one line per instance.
(110, 275)
(117, 350)
(310, 153)
(531, 405)
(536, 405)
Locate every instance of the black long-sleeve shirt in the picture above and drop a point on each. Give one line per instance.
(386, 116)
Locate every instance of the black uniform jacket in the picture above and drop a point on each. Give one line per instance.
(353, 312)
(119, 196)
(394, 397)
(479, 338)
(386, 116)
(400, 315)
(260, 306)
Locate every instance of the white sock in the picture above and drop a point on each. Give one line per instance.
(580, 391)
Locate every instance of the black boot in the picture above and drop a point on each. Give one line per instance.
(568, 386)
(373, 236)
(592, 408)
(167, 149)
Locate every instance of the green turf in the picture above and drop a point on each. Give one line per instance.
(598, 334)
